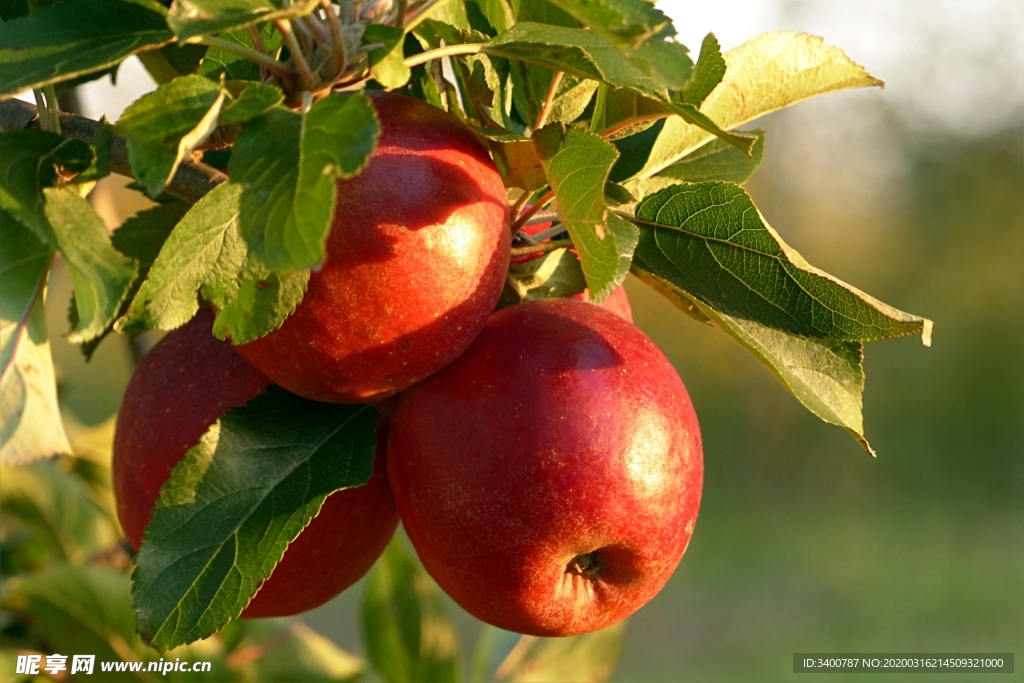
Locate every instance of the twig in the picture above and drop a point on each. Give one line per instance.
(413, 19)
(447, 51)
(548, 101)
(537, 206)
(305, 75)
(541, 248)
(514, 209)
(191, 182)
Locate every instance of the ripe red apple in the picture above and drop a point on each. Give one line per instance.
(181, 387)
(416, 261)
(550, 477)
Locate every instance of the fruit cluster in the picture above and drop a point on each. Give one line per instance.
(545, 459)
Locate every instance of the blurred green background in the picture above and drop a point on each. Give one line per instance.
(914, 194)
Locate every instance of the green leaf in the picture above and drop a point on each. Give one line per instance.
(30, 421)
(29, 161)
(72, 38)
(825, 375)
(497, 13)
(235, 502)
(143, 235)
(407, 633)
(234, 67)
(709, 240)
(587, 55)
(531, 84)
(577, 163)
(164, 126)
(620, 113)
(716, 160)
(290, 651)
(763, 75)
(288, 164)
(205, 252)
(542, 12)
(555, 274)
(101, 275)
(58, 507)
(387, 64)
(79, 609)
(639, 31)
(708, 72)
(102, 140)
(254, 100)
(590, 657)
(188, 18)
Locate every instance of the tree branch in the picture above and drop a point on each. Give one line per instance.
(192, 181)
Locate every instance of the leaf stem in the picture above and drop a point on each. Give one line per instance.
(306, 78)
(549, 100)
(447, 51)
(260, 58)
(541, 248)
(537, 206)
(49, 114)
(514, 209)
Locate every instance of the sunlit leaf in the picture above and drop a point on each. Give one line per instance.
(556, 273)
(709, 240)
(763, 75)
(193, 17)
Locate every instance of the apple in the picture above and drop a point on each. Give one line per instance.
(181, 387)
(416, 261)
(550, 477)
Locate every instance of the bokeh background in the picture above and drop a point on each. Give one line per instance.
(914, 193)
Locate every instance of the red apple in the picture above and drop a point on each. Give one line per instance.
(181, 387)
(550, 477)
(416, 261)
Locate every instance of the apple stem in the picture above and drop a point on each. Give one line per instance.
(537, 206)
(447, 51)
(548, 101)
(541, 248)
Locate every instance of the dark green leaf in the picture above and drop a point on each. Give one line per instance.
(288, 164)
(143, 235)
(555, 274)
(30, 421)
(164, 126)
(101, 274)
(825, 375)
(542, 12)
(206, 253)
(707, 74)
(633, 151)
(497, 13)
(407, 633)
(193, 17)
(387, 64)
(58, 507)
(709, 240)
(100, 145)
(76, 37)
(590, 657)
(29, 161)
(234, 67)
(716, 160)
(620, 113)
(577, 163)
(531, 85)
(235, 502)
